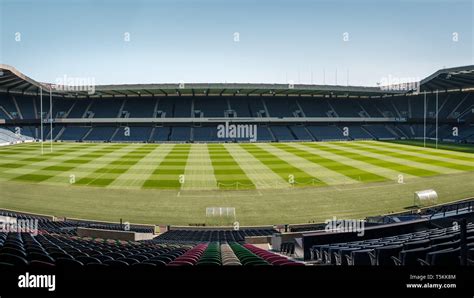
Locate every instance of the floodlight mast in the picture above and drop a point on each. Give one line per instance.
(424, 120)
(51, 118)
(437, 112)
(41, 118)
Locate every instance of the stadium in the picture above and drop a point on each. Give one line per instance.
(142, 153)
(209, 165)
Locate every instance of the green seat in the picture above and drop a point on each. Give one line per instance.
(209, 263)
(255, 263)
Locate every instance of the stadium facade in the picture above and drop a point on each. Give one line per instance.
(192, 112)
(441, 107)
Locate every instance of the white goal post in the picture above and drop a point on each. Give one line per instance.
(220, 212)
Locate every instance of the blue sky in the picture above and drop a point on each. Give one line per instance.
(193, 40)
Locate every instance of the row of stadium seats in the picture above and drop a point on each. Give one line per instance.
(439, 246)
(451, 106)
(9, 137)
(55, 245)
(213, 235)
(265, 133)
(69, 226)
(41, 251)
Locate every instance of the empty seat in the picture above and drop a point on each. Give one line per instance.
(442, 239)
(410, 257)
(41, 264)
(13, 259)
(70, 263)
(362, 257)
(384, 254)
(116, 263)
(39, 257)
(448, 257)
(416, 244)
(87, 260)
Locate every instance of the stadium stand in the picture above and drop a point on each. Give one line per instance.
(161, 134)
(283, 133)
(346, 108)
(79, 108)
(100, 133)
(301, 133)
(358, 133)
(9, 137)
(132, 134)
(213, 235)
(315, 107)
(105, 108)
(240, 107)
(72, 133)
(379, 132)
(282, 107)
(205, 134)
(301, 113)
(57, 244)
(428, 247)
(264, 134)
(327, 133)
(208, 107)
(180, 133)
(138, 108)
(69, 226)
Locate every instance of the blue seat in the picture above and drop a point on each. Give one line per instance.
(70, 263)
(13, 259)
(117, 263)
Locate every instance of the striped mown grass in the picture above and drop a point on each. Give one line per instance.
(140, 182)
(106, 174)
(354, 173)
(284, 169)
(227, 166)
(228, 173)
(376, 158)
(260, 175)
(166, 175)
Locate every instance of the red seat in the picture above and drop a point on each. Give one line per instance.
(290, 263)
(280, 262)
(276, 258)
(180, 263)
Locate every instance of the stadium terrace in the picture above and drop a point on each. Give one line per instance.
(155, 157)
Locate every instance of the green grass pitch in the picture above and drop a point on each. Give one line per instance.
(267, 183)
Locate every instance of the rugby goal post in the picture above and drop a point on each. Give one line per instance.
(425, 198)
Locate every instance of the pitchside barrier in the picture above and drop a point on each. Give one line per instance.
(45, 216)
(265, 120)
(218, 228)
(131, 225)
(114, 234)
